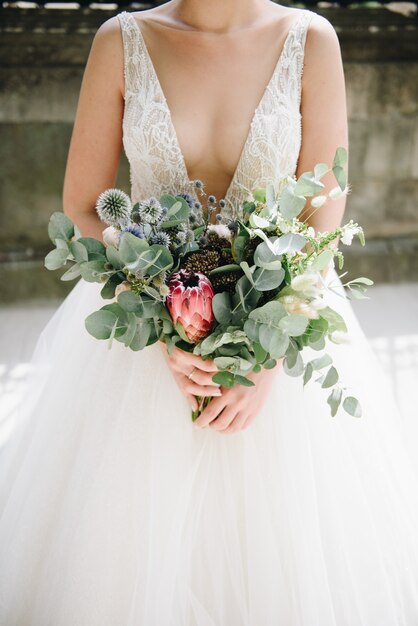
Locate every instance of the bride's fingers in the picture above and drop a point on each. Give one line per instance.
(202, 378)
(188, 360)
(226, 417)
(201, 390)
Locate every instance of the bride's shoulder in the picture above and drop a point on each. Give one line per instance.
(322, 54)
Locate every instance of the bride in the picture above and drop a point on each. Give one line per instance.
(117, 509)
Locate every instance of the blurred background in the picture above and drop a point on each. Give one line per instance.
(43, 51)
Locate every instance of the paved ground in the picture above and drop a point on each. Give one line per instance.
(389, 319)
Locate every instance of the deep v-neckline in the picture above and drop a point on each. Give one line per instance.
(258, 108)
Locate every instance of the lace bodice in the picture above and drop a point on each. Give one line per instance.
(150, 141)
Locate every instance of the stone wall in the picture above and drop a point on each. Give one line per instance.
(42, 57)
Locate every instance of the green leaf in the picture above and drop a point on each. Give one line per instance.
(294, 325)
(226, 379)
(243, 380)
(265, 280)
(93, 246)
(322, 260)
(78, 251)
(320, 169)
(331, 378)
(73, 272)
(131, 247)
(293, 364)
(363, 280)
(113, 257)
(238, 247)
(108, 289)
(352, 406)
(221, 307)
(289, 243)
(142, 334)
(143, 305)
(308, 373)
(270, 313)
(334, 319)
(100, 323)
(92, 271)
(290, 204)
(334, 400)
(224, 269)
(308, 185)
(266, 258)
(56, 258)
(321, 362)
(60, 227)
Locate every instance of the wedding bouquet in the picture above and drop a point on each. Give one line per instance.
(244, 291)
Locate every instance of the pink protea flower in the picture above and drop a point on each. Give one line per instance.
(190, 303)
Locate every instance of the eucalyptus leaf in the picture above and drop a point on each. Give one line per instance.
(60, 227)
(294, 325)
(100, 323)
(93, 246)
(131, 247)
(289, 243)
(331, 378)
(113, 257)
(334, 400)
(291, 205)
(322, 260)
(79, 251)
(92, 271)
(221, 307)
(266, 280)
(352, 406)
(56, 258)
(266, 258)
(73, 272)
(307, 185)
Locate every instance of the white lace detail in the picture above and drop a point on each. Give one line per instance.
(150, 141)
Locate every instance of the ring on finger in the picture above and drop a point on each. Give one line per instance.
(191, 373)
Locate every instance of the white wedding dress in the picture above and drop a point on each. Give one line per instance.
(116, 511)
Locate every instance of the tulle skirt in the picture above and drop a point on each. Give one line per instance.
(115, 510)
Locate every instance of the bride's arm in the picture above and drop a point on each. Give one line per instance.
(324, 117)
(96, 141)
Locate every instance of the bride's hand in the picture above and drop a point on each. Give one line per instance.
(238, 406)
(182, 363)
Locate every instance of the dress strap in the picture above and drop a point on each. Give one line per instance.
(131, 48)
(293, 63)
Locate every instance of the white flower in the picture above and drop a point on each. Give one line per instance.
(304, 281)
(318, 201)
(125, 286)
(296, 306)
(338, 336)
(310, 231)
(349, 230)
(111, 236)
(221, 230)
(337, 192)
(318, 303)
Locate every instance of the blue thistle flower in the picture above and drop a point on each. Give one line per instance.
(197, 205)
(161, 238)
(181, 237)
(198, 184)
(211, 199)
(219, 217)
(114, 207)
(150, 211)
(135, 229)
(222, 203)
(189, 199)
(189, 236)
